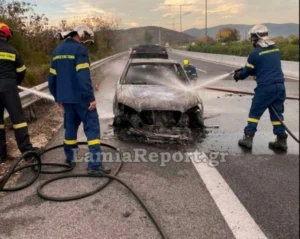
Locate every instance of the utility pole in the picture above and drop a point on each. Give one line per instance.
(181, 37)
(180, 7)
(173, 23)
(159, 36)
(180, 19)
(206, 21)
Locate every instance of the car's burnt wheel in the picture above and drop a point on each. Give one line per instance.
(117, 121)
(196, 119)
(199, 119)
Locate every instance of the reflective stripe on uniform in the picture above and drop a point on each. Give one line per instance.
(1, 126)
(60, 57)
(70, 142)
(82, 66)
(52, 71)
(253, 120)
(274, 123)
(268, 51)
(19, 126)
(249, 65)
(22, 68)
(7, 56)
(94, 142)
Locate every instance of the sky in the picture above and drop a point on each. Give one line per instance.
(135, 13)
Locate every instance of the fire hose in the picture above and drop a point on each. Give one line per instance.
(271, 106)
(37, 168)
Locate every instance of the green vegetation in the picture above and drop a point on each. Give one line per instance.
(289, 47)
(35, 39)
(289, 51)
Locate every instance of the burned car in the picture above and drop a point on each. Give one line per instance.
(153, 99)
(148, 51)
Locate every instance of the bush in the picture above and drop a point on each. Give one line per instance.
(35, 40)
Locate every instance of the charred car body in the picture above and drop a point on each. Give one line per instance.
(151, 97)
(148, 51)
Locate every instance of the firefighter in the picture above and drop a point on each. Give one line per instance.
(12, 73)
(265, 63)
(190, 70)
(70, 84)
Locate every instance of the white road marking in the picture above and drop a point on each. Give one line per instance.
(235, 214)
(201, 70)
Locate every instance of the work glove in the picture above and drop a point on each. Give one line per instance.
(236, 75)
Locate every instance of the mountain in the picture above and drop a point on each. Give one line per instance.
(284, 29)
(134, 36)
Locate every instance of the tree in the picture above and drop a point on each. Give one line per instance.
(148, 37)
(35, 40)
(228, 34)
(293, 39)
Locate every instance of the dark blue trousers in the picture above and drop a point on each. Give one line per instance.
(74, 114)
(264, 97)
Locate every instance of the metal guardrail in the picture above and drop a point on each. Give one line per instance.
(290, 68)
(28, 98)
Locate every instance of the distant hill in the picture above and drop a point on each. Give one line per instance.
(284, 29)
(134, 36)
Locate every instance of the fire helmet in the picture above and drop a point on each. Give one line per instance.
(5, 31)
(186, 62)
(259, 35)
(85, 34)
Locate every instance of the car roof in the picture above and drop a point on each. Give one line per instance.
(153, 60)
(148, 45)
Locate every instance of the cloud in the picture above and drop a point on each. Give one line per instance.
(81, 8)
(168, 15)
(226, 16)
(232, 8)
(148, 12)
(171, 5)
(132, 24)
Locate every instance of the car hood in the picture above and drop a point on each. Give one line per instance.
(153, 97)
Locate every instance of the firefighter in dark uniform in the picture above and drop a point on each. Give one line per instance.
(190, 70)
(70, 84)
(12, 73)
(265, 63)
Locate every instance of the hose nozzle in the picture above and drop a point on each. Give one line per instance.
(235, 71)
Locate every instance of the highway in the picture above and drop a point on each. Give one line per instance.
(244, 195)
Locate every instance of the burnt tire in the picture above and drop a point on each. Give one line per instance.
(197, 120)
(117, 121)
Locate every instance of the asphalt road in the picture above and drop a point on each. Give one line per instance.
(245, 195)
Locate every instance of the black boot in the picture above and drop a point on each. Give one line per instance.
(100, 170)
(279, 143)
(70, 163)
(247, 140)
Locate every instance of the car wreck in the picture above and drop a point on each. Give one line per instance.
(152, 101)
